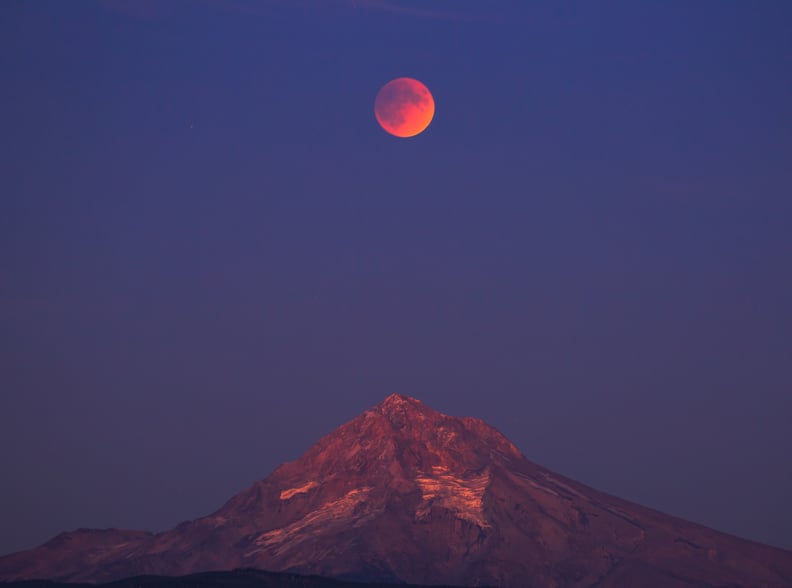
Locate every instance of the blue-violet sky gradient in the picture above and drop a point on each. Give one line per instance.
(211, 254)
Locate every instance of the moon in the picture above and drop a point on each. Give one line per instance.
(404, 107)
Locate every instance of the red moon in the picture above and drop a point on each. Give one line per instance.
(404, 107)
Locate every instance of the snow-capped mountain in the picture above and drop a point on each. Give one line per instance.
(403, 493)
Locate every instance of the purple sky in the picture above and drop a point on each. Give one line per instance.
(211, 254)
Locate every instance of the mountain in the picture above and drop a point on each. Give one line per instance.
(403, 493)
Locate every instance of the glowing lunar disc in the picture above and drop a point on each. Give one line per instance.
(404, 107)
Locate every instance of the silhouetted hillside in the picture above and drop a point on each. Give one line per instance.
(243, 578)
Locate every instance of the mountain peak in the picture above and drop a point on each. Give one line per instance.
(403, 411)
(400, 402)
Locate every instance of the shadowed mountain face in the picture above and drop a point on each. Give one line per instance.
(405, 494)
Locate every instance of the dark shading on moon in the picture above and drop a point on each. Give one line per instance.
(404, 107)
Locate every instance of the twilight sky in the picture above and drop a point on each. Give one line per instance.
(211, 254)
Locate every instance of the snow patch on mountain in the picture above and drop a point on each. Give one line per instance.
(286, 494)
(463, 496)
(341, 512)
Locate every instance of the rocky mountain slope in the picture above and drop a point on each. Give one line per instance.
(403, 493)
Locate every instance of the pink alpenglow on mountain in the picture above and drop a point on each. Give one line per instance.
(403, 493)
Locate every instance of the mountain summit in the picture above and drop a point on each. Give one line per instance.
(403, 493)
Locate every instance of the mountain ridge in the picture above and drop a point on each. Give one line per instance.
(403, 493)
